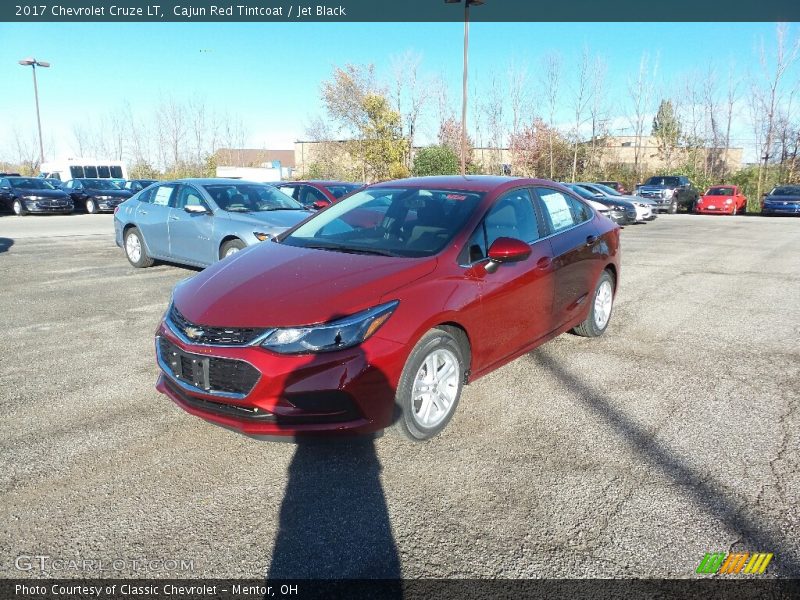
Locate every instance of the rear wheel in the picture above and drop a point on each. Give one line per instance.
(231, 247)
(135, 250)
(19, 208)
(600, 310)
(430, 385)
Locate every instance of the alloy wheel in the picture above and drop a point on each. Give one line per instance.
(133, 247)
(603, 301)
(435, 388)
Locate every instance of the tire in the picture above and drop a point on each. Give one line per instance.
(132, 241)
(735, 211)
(19, 208)
(437, 351)
(91, 206)
(231, 247)
(673, 207)
(596, 323)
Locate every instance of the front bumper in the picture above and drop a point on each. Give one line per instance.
(349, 392)
(108, 205)
(45, 206)
(781, 209)
(715, 209)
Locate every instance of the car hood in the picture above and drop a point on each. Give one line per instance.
(55, 194)
(782, 199)
(275, 285)
(275, 219)
(638, 199)
(656, 187)
(124, 194)
(715, 198)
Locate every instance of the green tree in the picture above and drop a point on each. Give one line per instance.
(667, 131)
(436, 160)
(384, 149)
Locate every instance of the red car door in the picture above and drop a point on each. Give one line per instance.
(517, 298)
(577, 251)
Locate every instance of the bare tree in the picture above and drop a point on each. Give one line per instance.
(410, 94)
(581, 92)
(550, 82)
(597, 110)
(517, 93)
(769, 94)
(27, 151)
(640, 91)
(730, 102)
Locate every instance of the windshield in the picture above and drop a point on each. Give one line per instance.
(581, 191)
(99, 184)
(399, 221)
(342, 189)
(250, 197)
(29, 183)
(720, 191)
(786, 190)
(607, 190)
(665, 181)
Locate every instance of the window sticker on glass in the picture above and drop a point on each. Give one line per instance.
(558, 210)
(162, 195)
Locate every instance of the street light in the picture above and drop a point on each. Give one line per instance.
(467, 4)
(33, 63)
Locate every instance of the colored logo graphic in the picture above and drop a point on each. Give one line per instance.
(735, 563)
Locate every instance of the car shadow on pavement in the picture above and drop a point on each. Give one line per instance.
(753, 535)
(334, 521)
(5, 244)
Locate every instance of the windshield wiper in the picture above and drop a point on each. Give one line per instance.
(283, 208)
(351, 249)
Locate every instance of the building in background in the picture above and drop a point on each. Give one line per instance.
(621, 151)
(250, 163)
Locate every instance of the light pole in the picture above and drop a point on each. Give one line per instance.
(33, 63)
(467, 4)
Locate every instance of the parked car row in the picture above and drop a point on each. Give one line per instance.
(371, 312)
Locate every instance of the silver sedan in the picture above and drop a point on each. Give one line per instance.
(200, 221)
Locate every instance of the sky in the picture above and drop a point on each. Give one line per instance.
(270, 74)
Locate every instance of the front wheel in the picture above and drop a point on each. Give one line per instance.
(673, 207)
(231, 247)
(91, 206)
(19, 208)
(430, 385)
(600, 310)
(135, 250)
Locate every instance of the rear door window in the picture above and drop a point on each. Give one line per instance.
(103, 172)
(116, 172)
(162, 195)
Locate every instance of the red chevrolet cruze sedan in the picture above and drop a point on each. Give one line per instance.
(346, 325)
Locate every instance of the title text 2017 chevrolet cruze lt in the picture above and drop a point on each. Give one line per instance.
(378, 310)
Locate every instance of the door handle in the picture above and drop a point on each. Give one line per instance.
(544, 263)
(174, 218)
(142, 212)
(591, 239)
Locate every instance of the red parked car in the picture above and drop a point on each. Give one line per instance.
(318, 194)
(335, 328)
(726, 199)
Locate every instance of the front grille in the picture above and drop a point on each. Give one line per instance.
(217, 336)
(209, 374)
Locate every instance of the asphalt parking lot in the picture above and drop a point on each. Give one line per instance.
(632, 455)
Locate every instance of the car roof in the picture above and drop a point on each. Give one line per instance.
(472, 183)
(320, 182)
(212, 180)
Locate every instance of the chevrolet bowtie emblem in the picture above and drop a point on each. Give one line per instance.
(193, 332)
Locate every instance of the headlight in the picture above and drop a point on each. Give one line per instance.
(729, 201)
(262, 237)
(668, 193)
(327, 337)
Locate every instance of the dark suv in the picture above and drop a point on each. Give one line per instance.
(669, 192)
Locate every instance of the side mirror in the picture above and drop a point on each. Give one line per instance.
(319, 204)
(506, 250)
(195, 209)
